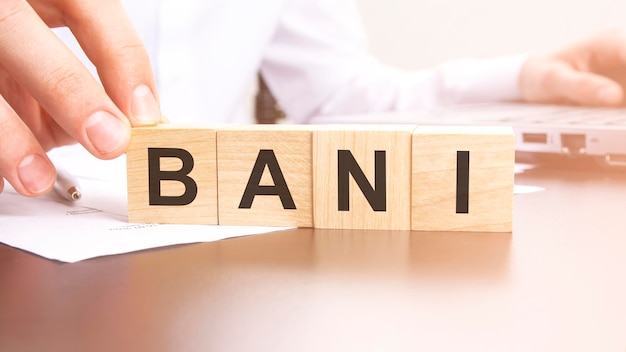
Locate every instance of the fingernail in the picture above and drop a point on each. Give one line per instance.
(35, 173)
(106, 132)
(144, 107)
(609, 94)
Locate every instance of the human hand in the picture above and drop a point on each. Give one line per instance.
(48, 98)
(591, 72)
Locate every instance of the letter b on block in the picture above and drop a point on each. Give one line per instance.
(172, 175)
(156, 174)
(462, 178)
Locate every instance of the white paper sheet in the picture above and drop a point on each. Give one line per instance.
(525, 189)
(96, 225)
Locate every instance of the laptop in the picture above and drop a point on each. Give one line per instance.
(545, 131)
(541, 131)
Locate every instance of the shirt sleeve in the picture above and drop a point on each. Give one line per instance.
(317, 64)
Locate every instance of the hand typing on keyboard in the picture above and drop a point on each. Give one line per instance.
(591, 72)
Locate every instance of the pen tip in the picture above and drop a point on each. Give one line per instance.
(74, 193)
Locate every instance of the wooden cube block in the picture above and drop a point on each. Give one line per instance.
(265, 176)
(172, 175)
(362, 177)
(462, 178)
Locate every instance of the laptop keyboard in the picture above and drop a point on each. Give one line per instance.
(538, 114)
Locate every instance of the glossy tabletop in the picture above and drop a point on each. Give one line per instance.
(555, 284)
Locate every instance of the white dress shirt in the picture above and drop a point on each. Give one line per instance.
(312, 54)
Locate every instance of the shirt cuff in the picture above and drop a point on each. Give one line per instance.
(482, 81)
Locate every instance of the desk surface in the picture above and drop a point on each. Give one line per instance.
(555, 284)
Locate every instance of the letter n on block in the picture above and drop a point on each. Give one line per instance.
(462, 178)
(172, 175)
(265, 176)
(362, 177)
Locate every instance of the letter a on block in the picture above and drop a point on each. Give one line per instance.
(361, 177)
(267, 159)
(265, 177)
(172, 175)
(462, 178)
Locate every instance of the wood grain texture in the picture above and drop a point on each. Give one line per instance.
(380, 177)
(434, 178)
(201, 144)
(363, 141)
(240, 152)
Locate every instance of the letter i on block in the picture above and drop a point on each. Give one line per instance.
(362, 177)
(264, 175)
(462, 178)
(172, 175)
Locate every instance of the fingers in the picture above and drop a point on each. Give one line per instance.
(549, 80)
(22, 160)
(58, 85)
(59, 82)
(45, 129)
(605, 50)
(591, 72)
(108, 38)
(583, 88)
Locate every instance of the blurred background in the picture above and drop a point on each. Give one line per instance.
(414, 34)
(421, 33)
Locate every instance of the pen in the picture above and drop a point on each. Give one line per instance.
(67, 186)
